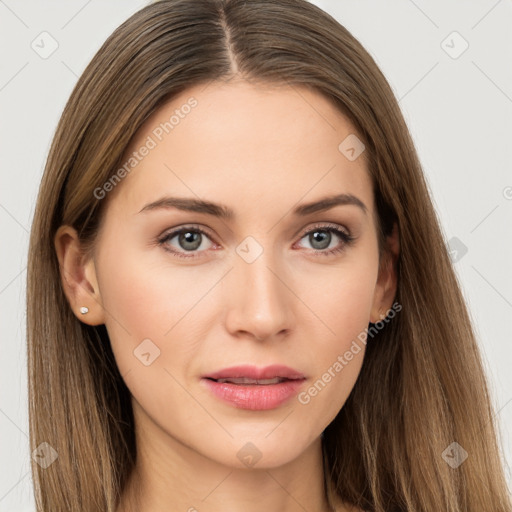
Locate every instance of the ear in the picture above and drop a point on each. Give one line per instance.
(385, 289)
(78, 275)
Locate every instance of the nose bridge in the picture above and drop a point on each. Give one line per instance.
(260, 303)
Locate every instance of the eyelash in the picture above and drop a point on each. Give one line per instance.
(346, 238)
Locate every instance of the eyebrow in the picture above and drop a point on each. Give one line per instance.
(223, 212)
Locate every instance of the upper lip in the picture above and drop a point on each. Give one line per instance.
(253, 372)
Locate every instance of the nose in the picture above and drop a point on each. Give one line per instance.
(259, 301)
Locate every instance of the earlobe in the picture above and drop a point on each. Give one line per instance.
(78, 277)
(385, 289)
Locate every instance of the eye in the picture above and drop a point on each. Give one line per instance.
(321, 238)
(188, 239)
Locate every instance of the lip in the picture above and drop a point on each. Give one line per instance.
(253, 372)
(255, 397)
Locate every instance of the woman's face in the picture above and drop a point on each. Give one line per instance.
(270, 283)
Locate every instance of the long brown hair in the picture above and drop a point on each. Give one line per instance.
(422, 385)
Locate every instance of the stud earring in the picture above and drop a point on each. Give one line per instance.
(84, 310)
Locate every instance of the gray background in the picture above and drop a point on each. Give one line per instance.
(458, 105)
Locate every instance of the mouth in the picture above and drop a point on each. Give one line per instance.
(251, 388)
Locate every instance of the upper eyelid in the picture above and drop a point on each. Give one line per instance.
(327, 226)
(172, 232)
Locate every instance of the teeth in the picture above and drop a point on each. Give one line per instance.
(245, 380)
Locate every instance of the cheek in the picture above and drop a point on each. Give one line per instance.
(145, 291)
(347, 305)
(342, 298)
(150, 322)
(146, 298)
(342, 305)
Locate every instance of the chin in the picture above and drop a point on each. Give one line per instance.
(262, 450)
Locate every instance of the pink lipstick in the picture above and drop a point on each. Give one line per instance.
(252, 388)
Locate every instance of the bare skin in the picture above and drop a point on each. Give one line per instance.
(260, 151)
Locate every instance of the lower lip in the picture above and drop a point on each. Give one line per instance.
(256, 397)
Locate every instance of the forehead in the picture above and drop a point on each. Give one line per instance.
(237, 141)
